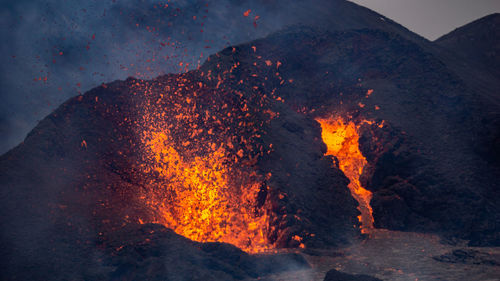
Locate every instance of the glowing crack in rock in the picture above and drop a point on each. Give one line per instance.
(342, 141)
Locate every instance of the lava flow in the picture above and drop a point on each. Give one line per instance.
(342, 138)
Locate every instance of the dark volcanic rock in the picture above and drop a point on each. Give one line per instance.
(71, 187)
(146, 252)
(473, 51)
(426, 169)
(468, 256)
(153, 252)
(77, 176)
(334, 275)
(296, 177)
(477, 42)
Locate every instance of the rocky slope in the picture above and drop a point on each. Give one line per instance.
(475, 48)
(476, 42)
(77, 179)
(424, 167)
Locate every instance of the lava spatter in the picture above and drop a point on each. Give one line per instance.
(199, 147)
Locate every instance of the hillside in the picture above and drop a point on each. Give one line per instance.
(477, 42)
(235, 152)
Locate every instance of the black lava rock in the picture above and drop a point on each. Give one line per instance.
(334, 275)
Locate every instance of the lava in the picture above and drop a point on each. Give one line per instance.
(200, 199)
(342, 140)
(199, 148)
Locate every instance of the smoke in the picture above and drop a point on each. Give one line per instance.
(57, 49)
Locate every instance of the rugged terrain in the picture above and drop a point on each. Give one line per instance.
(73, 193)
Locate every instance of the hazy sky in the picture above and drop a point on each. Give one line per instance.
(432, 18)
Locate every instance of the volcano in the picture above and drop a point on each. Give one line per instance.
(306, 140)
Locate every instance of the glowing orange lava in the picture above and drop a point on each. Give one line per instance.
(199, 178)
(201, 199)
(342, 139)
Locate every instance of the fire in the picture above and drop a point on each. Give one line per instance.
(201, 200)
(198, 156)
(341, 138)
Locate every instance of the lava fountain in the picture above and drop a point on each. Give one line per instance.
(202, 199)
(200, 146)
(342, 140)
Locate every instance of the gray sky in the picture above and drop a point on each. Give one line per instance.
(432, 18)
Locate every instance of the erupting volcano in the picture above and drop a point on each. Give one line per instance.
(199, 149)
(342, 140)
(201, 198)
(269, 159)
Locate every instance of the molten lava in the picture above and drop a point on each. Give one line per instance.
(201, 199)
(199, 146)
(342, 138)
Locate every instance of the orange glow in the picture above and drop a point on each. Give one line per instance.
(200, 179)
(342, 138)
(200, 200)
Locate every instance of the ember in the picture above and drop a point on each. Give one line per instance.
(341, 138)
(200, 199)
(202, 182)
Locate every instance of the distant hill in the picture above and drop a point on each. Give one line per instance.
(478, 41)
(473, 52)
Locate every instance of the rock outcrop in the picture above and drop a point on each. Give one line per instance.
(334, 275)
